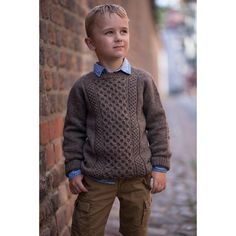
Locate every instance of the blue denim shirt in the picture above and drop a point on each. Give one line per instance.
(99, 70)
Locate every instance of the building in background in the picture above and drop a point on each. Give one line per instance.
(177, 54)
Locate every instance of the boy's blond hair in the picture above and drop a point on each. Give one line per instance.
(102, 10)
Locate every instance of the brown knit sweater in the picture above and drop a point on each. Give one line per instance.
(115, 126)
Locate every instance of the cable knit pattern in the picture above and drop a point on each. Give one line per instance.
(111, 119)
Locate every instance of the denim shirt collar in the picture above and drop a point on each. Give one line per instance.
(125, 67)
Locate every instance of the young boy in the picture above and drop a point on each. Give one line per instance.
(115, 133)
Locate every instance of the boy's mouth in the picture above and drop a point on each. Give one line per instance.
(118, 47)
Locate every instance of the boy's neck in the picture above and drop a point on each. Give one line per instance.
(112, 66)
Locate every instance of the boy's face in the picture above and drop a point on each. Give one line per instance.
(110, 37)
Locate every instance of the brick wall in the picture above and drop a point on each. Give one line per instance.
(63, 59)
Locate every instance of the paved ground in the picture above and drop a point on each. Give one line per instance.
(174, 210)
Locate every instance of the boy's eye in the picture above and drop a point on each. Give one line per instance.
(124, 31)
(109, 32)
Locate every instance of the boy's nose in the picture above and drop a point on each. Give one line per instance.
(118, 37)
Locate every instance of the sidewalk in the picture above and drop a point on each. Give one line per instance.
(174, 210)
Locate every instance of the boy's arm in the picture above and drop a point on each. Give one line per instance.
(74, 128)
(156, 125)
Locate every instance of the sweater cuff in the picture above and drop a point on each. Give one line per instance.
(158, 168)
(71, 165)
(161, 161)
(73, 173)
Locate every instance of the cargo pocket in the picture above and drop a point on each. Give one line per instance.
(146, 212)
(81, 222)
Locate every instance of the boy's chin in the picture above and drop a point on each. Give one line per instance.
(120, 55)
(114, 57)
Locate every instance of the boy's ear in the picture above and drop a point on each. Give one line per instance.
(89, 43)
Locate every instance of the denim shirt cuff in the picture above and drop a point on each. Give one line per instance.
(161, 169)
(74, 173)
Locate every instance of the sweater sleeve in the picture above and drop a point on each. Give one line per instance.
(156, 125)
(74, 128)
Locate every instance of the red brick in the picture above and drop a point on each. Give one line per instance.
(44, 104)
(63, 3)
(44, 133)
(50, 156)
(55, 201)
(59, 126)
(42, 162)
(53, 227)
(74, 43)
(58, 38)
(71, 22)
(63, 59)
(42, 56)
(45, 231)
(69, 211)
(48, 82)
(82, 8)
(78, 27)
(57, 15)
(65, 231)
(55, 80)
(65, 37)
(52, 36)
(51, 125)
(43, 31)
(46, 211)
(60, 218)
(62, 194)
(42, 188)
(56, 127)
(73, 63)
(56, 175)
(55, 1)
(62, 102)
(79, 63)
(53, 102)
(58, 150)
(41, 80)
(61, 80)
(68, 62)
(71, 5)
(82, 46)
(50, 179)
(68, 190)
(44, 9)
(51, 57)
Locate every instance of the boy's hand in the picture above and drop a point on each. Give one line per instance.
(159, 182)
(76, 185)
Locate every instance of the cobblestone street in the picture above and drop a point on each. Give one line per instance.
(174, 210)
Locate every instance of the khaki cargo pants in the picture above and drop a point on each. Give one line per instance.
(93, 207)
